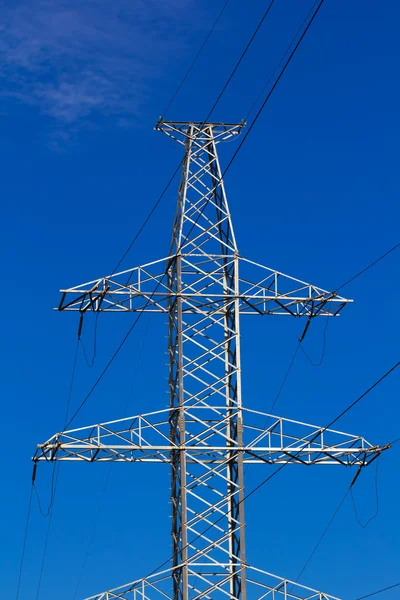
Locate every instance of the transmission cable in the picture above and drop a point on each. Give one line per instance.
(46, 543)
(284, 379)
(244, 138)
(107, 479)
(91, 362)
(116, 352)
(281, 61)
(195, 58)
(390, 587)
(368, 267)
(53, 484)
(147, 219)
(54, 478)
(364, 270)
(247, 47)
(283, 465)
(21, 565)
(324, 533)
(348, 491)
(321, 360)
(365, 525)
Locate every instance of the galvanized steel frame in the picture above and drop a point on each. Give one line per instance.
(206, 435)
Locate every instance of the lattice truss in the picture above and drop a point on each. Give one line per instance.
(206, 436)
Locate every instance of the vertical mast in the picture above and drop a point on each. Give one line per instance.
(205, 371)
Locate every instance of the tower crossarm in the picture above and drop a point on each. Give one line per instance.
(143, 288)
(269, 292)
(266, 439)
(262, 586)
(146, 288)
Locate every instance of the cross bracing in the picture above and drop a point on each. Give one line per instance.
(204, 286)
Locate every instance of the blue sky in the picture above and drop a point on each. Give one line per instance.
(314, 193)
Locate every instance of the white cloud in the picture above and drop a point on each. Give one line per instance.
(78, 57)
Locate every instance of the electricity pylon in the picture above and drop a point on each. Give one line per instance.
(206, 436)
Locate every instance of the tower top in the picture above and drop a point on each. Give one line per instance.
(199, 130)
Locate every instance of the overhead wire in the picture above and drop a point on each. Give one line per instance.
(46, 543)
(107, 480)
(258, 114)
(365, 525)
(280, 61)
(54, 478)
(91, 362)
(54, 481)
(147, 219)
(389, 587)
(196, 57)
(333, 517)
(21, 565)
(46, 513)
(313, 551)
(321, 360)
(356, 276)
(285, 378)
(116, 352)
(246, 49)
(368, 267)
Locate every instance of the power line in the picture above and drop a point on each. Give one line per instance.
(92, 361)
(54, 477)
(364, 270)
(21, 565)
(368, 267)
(93, 531)
(289, 59)
(72, 381)
(281, 61)
(53, 485)
(196, 57)
(331, 520)
(147, 219)
(390, 587)
(116, 352)
(46, 543)
(365, 525)
(277, 80)
(247, 47)
(321, 360)
(339, 506)
(285, 378)
(110, 466)
(373, 386)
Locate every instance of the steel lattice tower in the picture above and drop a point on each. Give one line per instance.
(206, 435)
